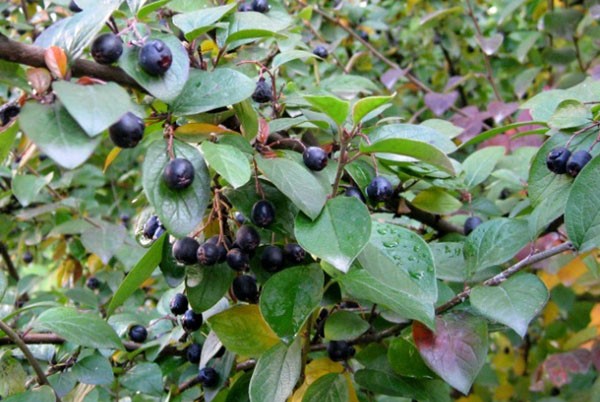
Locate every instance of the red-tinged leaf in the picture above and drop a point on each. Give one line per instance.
(89, 81)
(39, 79)
(457, 350)
(558, 368)
(56, 61)
(263, 131)
(596, 355)
(439, 103)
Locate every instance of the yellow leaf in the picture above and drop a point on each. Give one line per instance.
(520, 365)
(110, 158)
(56, 61)
(504, 392)
(209, 45)
(201, 129)
(573, 270)
(470, 398)
(94, 263)
(595, 316)
(550, 280)
(551, 313)
(315, 370)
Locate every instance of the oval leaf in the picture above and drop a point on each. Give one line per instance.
(228, 161)
(344, 325)
(329, 388)
(366, 105)
(205, 286)
(333, 107)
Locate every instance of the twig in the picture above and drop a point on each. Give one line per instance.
(578, 54)
(10, 267)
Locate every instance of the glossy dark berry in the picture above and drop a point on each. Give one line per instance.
(151, 226)
(193, 352)
(208, 254)
(92, 283)
(107, 48)
(354, 192)
(315, 158)
(245, 7)
(247, 238)
(178, 304)
(293, 253)
(239, 217)
(244, 289)
(27, 257)
(223, 246)
(159, 232)
(191, 321)
(271, 259)
(363, 35)
(471, 223)
(74, 7)
(262, 92)
(208, 377)
(380, 189)
(263, 213)
(178, 174)
(128, 131)
(556, 161)
(339, 350)
(321, 52)
(8, 113)
(260, 6)
(577, 161)
(138, 333)
(185, 251)
(155, 57)
(238, 260)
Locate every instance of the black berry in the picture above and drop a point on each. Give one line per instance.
(354, 192)
(151, 226)
(271, 259)
(556, 161)
(107, 48)
(380, 189)
(138, 333)
(577, 161)
(208, 377)
(245, 7)
(238, 260)
(191, 321)
(263, 213)
(178, 174)
(178, 304)
(262, 92)
(128, 131)
(339, 350)
(363, 35)
(208, 254)
(193, 352)
(27, 257)
(245, 289)
(74, 7)
(8, 113)
(92, 283)
(321, 52)
(247, 238)
(293, 253)
(315, 158)
(471, 223)
(239, 217)
(185, 251)
(155, 57)
(223, 246)
(260, 6)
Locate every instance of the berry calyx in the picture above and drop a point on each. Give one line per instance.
(92, 283)
(244, 289)
(238, 260)
(262, 92)
(321, 51)
(138, 333)
(271, 259)
(260, 6)
(208, 254)
(471, 224)
(107, 48)
(208, 377)
(315, 158)
(247, 238)
(155, 57)
(293, 253)
(185, 251)
(128, 131)
(193, 352)
(178, 304)
(380, 189)
(178, 174)
(556, 161)
(191, 321)
(354, 192)
(340, 350)
(263, 213)
(577, 161)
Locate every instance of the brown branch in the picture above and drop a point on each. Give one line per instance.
(10, 267)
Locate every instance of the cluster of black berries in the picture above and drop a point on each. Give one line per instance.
(340, 350)
(153, 229)
(260, 6)
(561, 161)
(8, 112)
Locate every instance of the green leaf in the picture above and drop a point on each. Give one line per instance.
(240, 390)
(386, 383)
(144, 377)
(104, 240)
(289, 297)
(582, 216)
(513, 303)
(251, 25)
(173, 272)
(94, 370)
(3, 284)
(366, 105)
(85, 329)
(142, 271)
(344, 325)
(7, 139)
(179, 211)
(333, 107)
(480, 164)
(290, 55)
(339, 234)
(436, 201)
(296, 182)
(486, 135)
(41, 394)
(57, 135)
(93, 107)
(27, 187)
(243, 330)
(570, 113)
(208, 90)
(228, 161)
(205, 286)
(331, 387)
(406, 361)
(12, 375)
(195, 23)
(562, 22)
(248, 118)
(164, 87)
(276, 373)
(482, 245)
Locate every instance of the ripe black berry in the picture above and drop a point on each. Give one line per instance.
(208, 377)
(138, 333)
(262, 92)
(339, 350)
(263, 213)
(92, 283)
(155, 57)
(128, 131)
(293, 253)
(208, 254)
(260, 6)
(178, 174)
(107, 48)
(245, 7)
(193, 352)
(238, 260)
(315, 158)
(354, 192)
(321, 52)
(247, 238)
(185, 251)
(245, 289)
(380, 189)
(178, 304)
(471, 223)
(74, 7)
(271, 259)
(363, 35)
(222, 246)
(8, 113)
(151, 226)
(240, 218)
(556, 161)
(577, 161)
(191, 321)
(27, 257)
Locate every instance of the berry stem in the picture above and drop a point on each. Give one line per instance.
(259, 189)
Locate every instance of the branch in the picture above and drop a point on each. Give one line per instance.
(10, 267)
(434, 221)
(33, 56)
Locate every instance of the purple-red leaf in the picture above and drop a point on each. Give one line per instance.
(439, 103)
(457, 350)
(558, 368)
